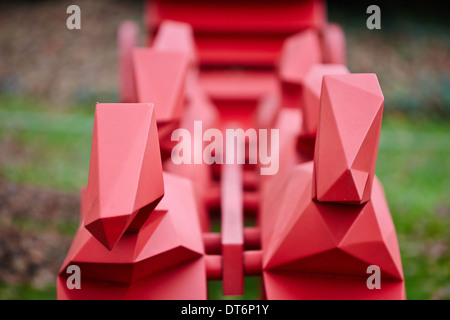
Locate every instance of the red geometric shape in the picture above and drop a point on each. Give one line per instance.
(125, 176)
(186, 281)
(334, 47)
(347, 138)
(312, 88)
(345, 240)
(170, 238)
(315, 246)
(207, 16)
(281, 196)
(300, 52)
(255, 36)
(305, 239)
(232, 224)
(160, 78)
(175, 36)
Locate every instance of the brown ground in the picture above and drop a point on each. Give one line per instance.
(40, 56)
(27, 254)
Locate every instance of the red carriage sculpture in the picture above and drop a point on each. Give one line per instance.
(321, 221)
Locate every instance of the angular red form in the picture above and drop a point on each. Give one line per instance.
(334, 48)
(160, 79)
(175, 36)
(347, 138)
(169, 242)
(322, 250)
(345, 239)
(184, 282)
(125, 175)
(255, 36)
(300, 52)
(310, 248)
(312, 88)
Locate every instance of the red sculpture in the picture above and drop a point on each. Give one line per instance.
(125, 179)
(300, 52)
(322, 229)
(339, 223)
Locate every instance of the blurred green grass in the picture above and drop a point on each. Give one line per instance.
(52, 150)
(26, 292)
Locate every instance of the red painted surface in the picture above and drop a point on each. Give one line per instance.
(145, 227)
(232, 223)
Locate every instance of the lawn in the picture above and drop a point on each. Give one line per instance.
(51, 151)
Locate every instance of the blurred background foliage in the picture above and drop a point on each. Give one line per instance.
(50, 79)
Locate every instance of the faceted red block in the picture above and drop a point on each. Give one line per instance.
(311, 92)
(345, 240)
(184, 282)
(334, 47)
(160, 79)
(300, 52)
(314, 250)
(125, 179)
(312, 88)
(322, 250)
(347, 138)
(175, 36)
(164, 255)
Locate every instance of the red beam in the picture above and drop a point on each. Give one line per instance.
(232, 230)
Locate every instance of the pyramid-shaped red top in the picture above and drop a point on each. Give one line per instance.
(159, 78)
(347, 138)
(299, 53)
(175, 36)
(312, 89)
(125, 174)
